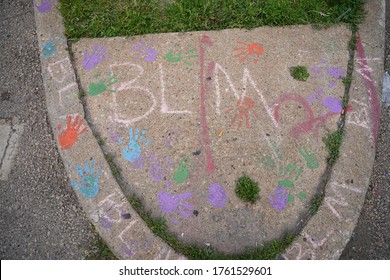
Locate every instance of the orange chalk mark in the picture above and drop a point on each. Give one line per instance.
(252, 49)
(69, 136)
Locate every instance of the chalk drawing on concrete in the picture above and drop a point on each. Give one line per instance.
(360, 115)
(73, 130)
(333, 104)
(217, 195)
(145, 51)
(311, 159)
(279, 199)
(177, 56)
(89, 186)
(159, 167)
(182, 173)
(45, 7)
(244, 107)
(245, 51)
(137, 142)
(103, 84)
(49, 49)
(171, 205)
(95, 57)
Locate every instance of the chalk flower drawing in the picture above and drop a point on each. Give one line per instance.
(248, 50)
(134, 149)
(171, 204)
(190, 53)
(217, 196)
(45, 6)
(102, 86)
(244, 107)
(93, 59)
(279, 199)
(146, 51)
(89, 186)
(73, 130)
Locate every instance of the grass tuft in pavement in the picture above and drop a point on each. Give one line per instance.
(247, 189)
(299, 73)
(106, 18)
(333, 142)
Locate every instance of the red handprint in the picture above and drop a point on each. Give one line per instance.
(69, 136)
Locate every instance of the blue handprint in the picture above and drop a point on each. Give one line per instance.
(134, 150)
(89, 187)
(49, 49)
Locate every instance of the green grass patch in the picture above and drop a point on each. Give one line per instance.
(299, 73)
(247, 189)
(100, 251)
(333, 142)
(268, 252)
(316, 203)
(106, 18)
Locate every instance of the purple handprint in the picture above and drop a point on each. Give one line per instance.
(170, 204)
(147, 51)
(90, 61)
(279, 199)
(158, 167)
(336, 72)
(45, 6)
(217, 196)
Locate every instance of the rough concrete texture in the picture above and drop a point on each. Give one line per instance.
(185, 115)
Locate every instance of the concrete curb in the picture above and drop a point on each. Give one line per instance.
(110, 212)
(325, 235)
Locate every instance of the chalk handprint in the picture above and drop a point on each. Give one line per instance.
(189, 54)
(49, 49)
(182, 173)
(93, 59)
(248, 50)
(69, 136)
(279, 199)
(311, 159)
(170, 204)
(134, 150)
(45, 6)
(89, 186)
(288, 171)
(147, 51)
(158, 167)
(217, 196)
(102, 86)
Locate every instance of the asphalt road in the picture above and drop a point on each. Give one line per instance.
(371, 238)
(40, 217)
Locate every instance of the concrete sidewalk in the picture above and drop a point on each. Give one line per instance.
(183, 116)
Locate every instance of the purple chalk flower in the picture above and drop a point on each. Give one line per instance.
(217, 196)
(333, 104)
(279, 199)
